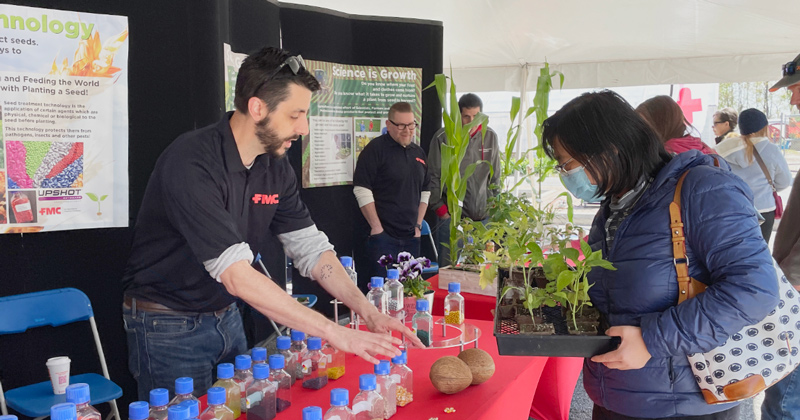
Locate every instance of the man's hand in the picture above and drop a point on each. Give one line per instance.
(365, 344)
(445, 216)
(375, 231)
(417, 232)
(797, 287)
(382, 323)
(632, 352)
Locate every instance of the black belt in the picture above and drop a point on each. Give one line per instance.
(135, 304)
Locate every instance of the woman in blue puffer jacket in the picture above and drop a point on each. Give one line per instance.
(605, 149)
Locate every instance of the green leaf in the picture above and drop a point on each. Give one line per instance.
(103, 197)
(514, 108)
(565, 278)
(91, 196)
(601, 263)
(586, 249)
(571, 253)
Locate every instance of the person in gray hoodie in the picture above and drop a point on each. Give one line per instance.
(483, 149)
(743, 154)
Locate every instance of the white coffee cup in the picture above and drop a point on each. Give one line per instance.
(59, 373)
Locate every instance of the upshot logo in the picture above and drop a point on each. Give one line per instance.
(60, 194)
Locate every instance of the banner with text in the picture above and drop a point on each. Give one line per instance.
(350, 110)
(63, 120)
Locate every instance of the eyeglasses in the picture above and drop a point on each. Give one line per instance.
(718, 122)
(294, 62)
(790, 68)
(562, 168)
(401, 127)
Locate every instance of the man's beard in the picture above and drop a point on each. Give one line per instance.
(269, 139)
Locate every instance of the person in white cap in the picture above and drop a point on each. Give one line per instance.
(782, 400)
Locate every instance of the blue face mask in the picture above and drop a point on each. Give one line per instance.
(579, 185)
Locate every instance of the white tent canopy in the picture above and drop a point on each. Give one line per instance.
(493, 44)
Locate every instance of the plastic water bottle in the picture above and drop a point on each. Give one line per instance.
(387, 388)
(177, 412)
(79, 395)
(193, 406)
(139, 410)
(284, 381)
(394, 294)
(63, 411)
(243, 376)
(312, 413)
(315, 366)
(217, 410)
(10, 417)
(368, 403)
(376, 295)
(403, 377)
(340, 398)
(260, 399)
(234, 395)
(159, 400)
(350, 269)
(335, 361)
(299, 352)
(454, 305)
(259, 355)
(284, 345)
(184, 386)
(422, 323)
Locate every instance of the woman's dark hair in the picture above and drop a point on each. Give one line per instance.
(665, 116)
(254, 79)
(613, 143)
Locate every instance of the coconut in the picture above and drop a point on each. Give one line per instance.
(450, 375)
(480, 364)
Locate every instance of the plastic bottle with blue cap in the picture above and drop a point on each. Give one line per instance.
(403, 377)
(184, 387)
(243, 376)
(368, 403)
(376, 295)
(138, 410)
(386, 387)
(340, 399)
(422, 322)
(454, 304)
(259, 355)
(233, 398)
(178, 412)
(315, 367)
(312, 413)
(260, 397)
(284, 345)
(284, 381)
(299, 353)
(193, 406)
(159, 402)
(217, 410)
(8, 417)
(395, 294)
(79, 395)
(63, 411)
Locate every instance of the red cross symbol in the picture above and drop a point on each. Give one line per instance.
(689, 105)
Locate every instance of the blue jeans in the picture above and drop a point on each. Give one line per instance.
(163, 347)
(383, 244)
(782, 400)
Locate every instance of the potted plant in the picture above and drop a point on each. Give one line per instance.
(414, 286)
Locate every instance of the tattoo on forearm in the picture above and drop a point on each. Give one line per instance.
(327, 271)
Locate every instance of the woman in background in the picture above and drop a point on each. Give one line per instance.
(725, 121)
(667, 119)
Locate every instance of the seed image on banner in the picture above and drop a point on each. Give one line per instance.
(63, 120)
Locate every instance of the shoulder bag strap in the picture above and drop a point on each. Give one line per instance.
(687, 286)
(763, 168)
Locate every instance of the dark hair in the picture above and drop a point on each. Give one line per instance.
(613, 143)
(470, 100)
(729, 116)
(252, 79)
(665, 116)
(399, 107)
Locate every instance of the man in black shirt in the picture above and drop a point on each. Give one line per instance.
(213, 194)
(391, 184)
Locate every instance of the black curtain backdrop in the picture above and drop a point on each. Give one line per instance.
(176, 80)
(325, 35)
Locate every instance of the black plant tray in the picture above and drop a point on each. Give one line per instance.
(511, 342)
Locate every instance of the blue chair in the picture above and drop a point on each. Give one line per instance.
(54, 308)
(434, 268)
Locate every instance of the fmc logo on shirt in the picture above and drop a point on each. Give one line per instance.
(421, 161)
(265, 198)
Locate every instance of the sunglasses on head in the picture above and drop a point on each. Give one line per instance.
(790, 68)
(295, 63)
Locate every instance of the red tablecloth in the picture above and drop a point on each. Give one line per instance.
(552, 400)
(507, 395)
